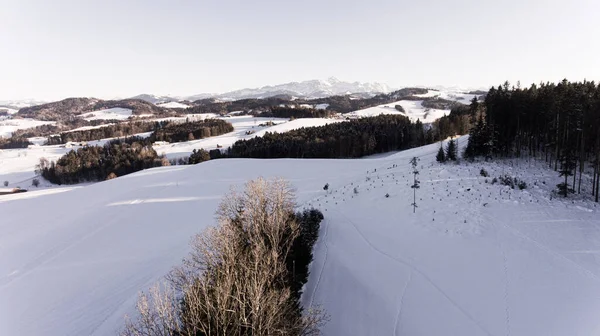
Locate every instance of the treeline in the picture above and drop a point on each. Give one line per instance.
(171, 131)
(298, 112)
(440, 103)
(558, 122)
(14, 142)
(61, 126)
(177, 132)
(97, 163)
(350, 139)
(109, 131)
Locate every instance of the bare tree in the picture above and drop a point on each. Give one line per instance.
(235, 281)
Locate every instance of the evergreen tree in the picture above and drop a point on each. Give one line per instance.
(441, 156)
(416, 183)
(567, 165)
(198, 156)
(451, 151)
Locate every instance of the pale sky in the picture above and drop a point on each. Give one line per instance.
(53, 49)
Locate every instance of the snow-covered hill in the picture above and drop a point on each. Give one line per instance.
(414, 109)
(475, 258)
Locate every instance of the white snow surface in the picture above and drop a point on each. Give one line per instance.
(173, 105)
(117, 113)
(475, 258)
(412, 109)
(7, 127)
(458, 96)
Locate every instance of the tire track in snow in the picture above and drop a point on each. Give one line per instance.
(401, 304)
(322, 266)
(506, 278)
(52, 254)
(415, 269)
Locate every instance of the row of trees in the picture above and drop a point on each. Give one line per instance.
(14, 142)
(351, 139)
(108, 131)
(178, 132)
(244, 276)
(299, 112)
(557, 122)
(98, 163)
(61, 126)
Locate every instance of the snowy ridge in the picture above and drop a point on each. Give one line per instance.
(308, 89)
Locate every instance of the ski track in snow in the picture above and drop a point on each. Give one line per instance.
(401, 304)
(416, 270)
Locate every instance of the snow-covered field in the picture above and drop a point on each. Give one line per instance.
(475, 258)
(117, 113)
(11, 125)
(460, 97)
(173, 105)
(412, 109)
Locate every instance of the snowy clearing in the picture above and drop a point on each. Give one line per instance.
(173, 105)
(475, 258)
(461, 97)
(412, 109)
(117, 113)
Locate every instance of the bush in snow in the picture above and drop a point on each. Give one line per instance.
(6, 183)
(198, 156)
(35, 182)
(326, 186)
(242, 277)
(483, 173)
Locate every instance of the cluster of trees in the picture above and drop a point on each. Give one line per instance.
(440, 103)
(448, 154)
(350, 139)
(14, 142)
(178, 132)
(559, 122)
(95, 163)
(298, 112)
(242, 277)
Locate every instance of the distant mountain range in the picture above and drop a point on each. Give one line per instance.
(306, 89)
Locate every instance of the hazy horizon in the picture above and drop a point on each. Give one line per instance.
(109, 49)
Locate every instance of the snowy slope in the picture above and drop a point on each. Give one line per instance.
(117, 113)
(475, 258)
(11, 125)
(458, 96)
(412, 109)
(173, 105)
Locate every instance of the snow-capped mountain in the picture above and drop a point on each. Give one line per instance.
(307, 89)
